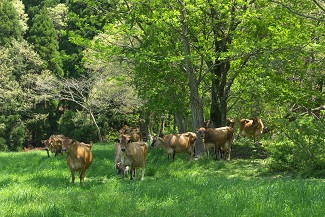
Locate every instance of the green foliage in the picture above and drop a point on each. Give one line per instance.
(77, 125)
(10, 28)
(12, 133)
(3, 144)
(44, 37)
(300, 148)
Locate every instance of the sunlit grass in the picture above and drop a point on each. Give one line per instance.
(33, 185)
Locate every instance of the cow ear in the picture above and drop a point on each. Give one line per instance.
(117, 140)
(129, 141)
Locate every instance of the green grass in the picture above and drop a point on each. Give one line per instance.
(33, 185)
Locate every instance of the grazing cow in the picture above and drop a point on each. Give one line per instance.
(134, 155)
(32, 148)
(176, 143)
(220, 138)
(79, 158)
(251, 127)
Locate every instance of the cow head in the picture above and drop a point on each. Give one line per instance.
(201, 132)
(157, 142)
(153, 142)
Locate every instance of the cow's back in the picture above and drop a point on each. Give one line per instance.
(183, 142)
(79, 156)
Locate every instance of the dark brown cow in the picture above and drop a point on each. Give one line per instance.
(79, 158)
(56, 143)
(134, 155)
(220, 138)
(230, 122)
(176, 143)
(251, 127)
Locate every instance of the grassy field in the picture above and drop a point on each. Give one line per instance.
(33, 185)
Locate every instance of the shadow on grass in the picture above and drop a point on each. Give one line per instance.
(246, 149)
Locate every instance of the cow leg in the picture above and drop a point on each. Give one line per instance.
(174, 155)
(207, 151)
(143, 170)
(72, 176)
(133, 172)
(82, 176)
(48, 153)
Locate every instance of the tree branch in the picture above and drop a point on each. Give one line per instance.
(297, 13)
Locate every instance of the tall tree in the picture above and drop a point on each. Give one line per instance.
(10, 27)
(45, 39)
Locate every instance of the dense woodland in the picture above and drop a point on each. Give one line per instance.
(87, 68)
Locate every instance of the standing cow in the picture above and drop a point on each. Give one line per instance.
(134, 154)
(176, 143)
(251, 127)
(79, 158)
(220, 138)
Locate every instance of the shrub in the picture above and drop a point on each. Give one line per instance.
(77, 125)
(300, 147)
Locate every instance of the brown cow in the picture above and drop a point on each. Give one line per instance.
(118, 160)
(56, 143)
(230, 122)
(134, 155)
(251, 127)
(176, 143)
(79, 158)
(32, 148)
(133, 136)
(220, 138)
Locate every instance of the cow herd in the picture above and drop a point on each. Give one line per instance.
(131, 152)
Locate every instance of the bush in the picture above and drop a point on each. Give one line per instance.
(77, 125)
(3, 145)
(300, 148)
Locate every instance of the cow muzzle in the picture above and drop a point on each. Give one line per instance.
(123, 149)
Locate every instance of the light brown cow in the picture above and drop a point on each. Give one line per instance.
(220, 138)
(133, 136)
(32, 148)
(251, 127)
(176, 143)
(79, 158)
(134, 155)
(121, 170)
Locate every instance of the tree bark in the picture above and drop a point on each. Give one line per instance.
(195, 103)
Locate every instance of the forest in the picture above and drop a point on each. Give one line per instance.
(87, 68)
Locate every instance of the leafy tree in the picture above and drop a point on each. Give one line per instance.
(10, 27)
(22, 16)
(44, 37)
(19, 68)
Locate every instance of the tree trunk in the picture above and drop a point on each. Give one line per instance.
(97, 127)
(195, 103)
(219, 95)
(179, 120)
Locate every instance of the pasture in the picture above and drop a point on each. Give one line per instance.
(33, 185)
